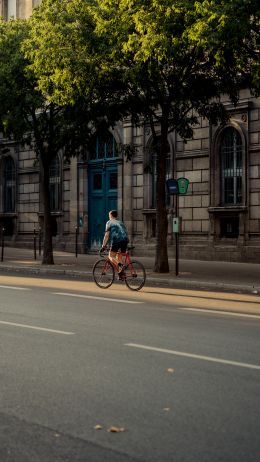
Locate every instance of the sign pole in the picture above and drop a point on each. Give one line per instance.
(177, 187)
(177, 240)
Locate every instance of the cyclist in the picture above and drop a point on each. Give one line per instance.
(116, 235)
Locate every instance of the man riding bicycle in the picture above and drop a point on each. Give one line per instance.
(116, 235)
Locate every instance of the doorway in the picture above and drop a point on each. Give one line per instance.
(102, 187)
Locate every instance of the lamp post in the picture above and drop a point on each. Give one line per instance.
(3, 244)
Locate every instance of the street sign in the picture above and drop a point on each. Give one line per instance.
(172, 186)
(183, 184)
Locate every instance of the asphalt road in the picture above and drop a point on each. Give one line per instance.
(179, 382)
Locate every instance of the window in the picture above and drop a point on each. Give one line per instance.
(229, 227)
(103, 146)
(55, 185)
(231, 167)
(9, 185)
(153, 173)
(97, 181)
(113, 180)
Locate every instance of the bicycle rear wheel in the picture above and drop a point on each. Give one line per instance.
(103, 273)
(135, 275)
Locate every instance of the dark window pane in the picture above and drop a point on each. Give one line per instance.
(229, 190)
(97, 181)
(110, 152)
(229, 227)
(113, 180)
(239, 190)
(101, 148)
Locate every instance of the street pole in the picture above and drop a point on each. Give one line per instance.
(76, 242)
(40, 240)
(3, 244)
(34, 242)
(177, 239)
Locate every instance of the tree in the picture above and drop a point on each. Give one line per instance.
(168, 72)
(161, 60)
(30, 116)
(231, 31)
(179, 57)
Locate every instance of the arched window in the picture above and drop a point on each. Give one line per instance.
(153, 172)
(9, 185)
(55, 185)
(103, 146)
(231, 171)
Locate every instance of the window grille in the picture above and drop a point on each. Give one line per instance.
(231, 168)
(55, 185)
(103, 147)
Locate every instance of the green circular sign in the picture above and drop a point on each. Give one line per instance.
(183, 184)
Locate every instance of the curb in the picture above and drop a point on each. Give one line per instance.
(160, 281)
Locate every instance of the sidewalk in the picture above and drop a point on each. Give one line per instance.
(193, 274)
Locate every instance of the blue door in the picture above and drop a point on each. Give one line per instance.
(102, 181)
(102, 186)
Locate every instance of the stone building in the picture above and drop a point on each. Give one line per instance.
(17, 8)
(220, 212)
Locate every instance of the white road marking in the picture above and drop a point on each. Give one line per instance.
(44, 329)
(91, 297)
(226, 313)
(190, 355)
(14, 288)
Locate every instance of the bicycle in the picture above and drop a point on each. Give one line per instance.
(132, 273)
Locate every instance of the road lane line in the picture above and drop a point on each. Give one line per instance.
(14, 288)
(226, 313)
(190, 355)
(44, 329)
(92, 297)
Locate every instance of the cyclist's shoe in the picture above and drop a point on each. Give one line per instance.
(121, 275)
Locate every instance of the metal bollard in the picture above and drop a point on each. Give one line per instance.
(40, 240)
(76, 241)
(34, 242)
(3, 244)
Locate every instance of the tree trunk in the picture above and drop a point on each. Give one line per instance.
(161, 256)
(47, 222)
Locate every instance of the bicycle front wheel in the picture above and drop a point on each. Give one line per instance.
(135, 275)
(103, 273)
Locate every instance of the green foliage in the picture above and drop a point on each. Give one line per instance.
(61, 50)
(18, 96)
(230, 30)
(168, 72)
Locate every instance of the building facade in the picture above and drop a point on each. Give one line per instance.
(220, 213)
(17, 8)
